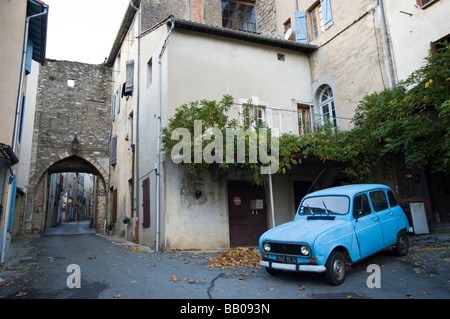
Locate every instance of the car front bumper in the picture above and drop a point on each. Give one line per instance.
(292, 267)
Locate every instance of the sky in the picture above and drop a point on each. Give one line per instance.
(83, 30)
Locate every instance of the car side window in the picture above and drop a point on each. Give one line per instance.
(392, 200)
(361, 206)
(379, 201)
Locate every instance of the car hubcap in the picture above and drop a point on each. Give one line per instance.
(338, 267)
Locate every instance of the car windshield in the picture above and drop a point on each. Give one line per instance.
(325, 205)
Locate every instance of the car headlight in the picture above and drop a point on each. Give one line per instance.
(266, 247)
(305, 250)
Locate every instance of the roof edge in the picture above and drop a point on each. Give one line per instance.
(123, 30)
(242, 35)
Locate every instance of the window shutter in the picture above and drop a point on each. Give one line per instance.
(114, 150)
(146, 203)
(29, 56)
(130, 78)
(300, 27)
(327, 14)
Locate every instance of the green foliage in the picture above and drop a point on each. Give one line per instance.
(412, 119)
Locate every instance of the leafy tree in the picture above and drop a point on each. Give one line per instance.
(412, 118)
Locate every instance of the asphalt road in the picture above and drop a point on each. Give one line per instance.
(111, 268)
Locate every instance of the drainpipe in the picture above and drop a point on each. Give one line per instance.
(388, 45)
(158, 164)
(136, 146)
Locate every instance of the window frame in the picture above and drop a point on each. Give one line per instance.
(330, 103)
(234, 19)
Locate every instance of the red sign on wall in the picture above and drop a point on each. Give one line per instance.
(237, 201)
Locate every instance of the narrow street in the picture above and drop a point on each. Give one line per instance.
(111, 268)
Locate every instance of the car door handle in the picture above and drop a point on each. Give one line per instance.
(375, 219)
(390, 214)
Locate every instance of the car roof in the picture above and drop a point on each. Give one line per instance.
(349, 190)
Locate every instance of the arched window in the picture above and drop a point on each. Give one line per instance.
(327, 109)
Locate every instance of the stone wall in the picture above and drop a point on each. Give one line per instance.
(72, 99)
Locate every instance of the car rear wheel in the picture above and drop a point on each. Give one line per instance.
(402, 246)
(336, 268)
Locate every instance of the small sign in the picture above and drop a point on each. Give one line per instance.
(237, 201)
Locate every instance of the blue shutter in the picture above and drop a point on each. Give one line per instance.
(327, 14)
(29, 56)
(300, 27)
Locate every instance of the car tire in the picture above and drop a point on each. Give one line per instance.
(336, 268)
(272, 271)
(402, 246)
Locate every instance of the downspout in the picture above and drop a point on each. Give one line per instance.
(136, 146)
(158, 164)
(388, 45)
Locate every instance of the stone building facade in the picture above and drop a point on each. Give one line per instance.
(73, 100)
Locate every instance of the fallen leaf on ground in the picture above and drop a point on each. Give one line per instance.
(302, 288)
(22, 293)
(174, 278)
(236, 257)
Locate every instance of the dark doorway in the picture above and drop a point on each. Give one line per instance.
(247, 209)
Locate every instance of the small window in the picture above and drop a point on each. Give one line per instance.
(317, 21)
(304, 124)
(239, 15)
(288, 30)
(149, 72)
(361, 206)
(424, 3)
(254, 114)
(392, 200)
(321, 17)
(379, 201)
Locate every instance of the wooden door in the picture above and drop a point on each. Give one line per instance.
(246, 224)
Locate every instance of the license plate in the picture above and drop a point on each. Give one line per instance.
(287, 259)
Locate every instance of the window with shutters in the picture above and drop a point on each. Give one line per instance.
(320, 17)
(146, 203)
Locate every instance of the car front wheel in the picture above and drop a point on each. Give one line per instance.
(336, 268)
(402, 246)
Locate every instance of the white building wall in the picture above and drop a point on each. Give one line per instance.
(197, 66)
(412, 29)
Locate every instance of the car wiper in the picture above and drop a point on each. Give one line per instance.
(310, 210)
(326, 210)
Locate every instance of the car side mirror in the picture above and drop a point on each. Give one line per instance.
(358, 214)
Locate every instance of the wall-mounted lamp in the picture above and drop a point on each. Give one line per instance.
(75, 144)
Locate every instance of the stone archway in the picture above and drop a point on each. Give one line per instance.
(35, 211)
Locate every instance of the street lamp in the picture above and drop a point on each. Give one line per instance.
(75, 144)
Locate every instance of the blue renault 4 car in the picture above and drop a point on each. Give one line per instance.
(335, 227)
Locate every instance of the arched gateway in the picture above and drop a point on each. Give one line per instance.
(36, 213)
(71, 133)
